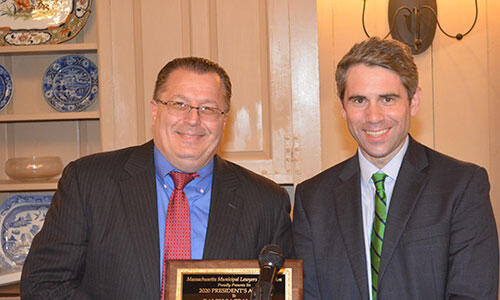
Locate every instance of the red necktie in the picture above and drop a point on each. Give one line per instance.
(177, 224)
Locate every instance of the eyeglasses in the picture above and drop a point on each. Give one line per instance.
(205, 112)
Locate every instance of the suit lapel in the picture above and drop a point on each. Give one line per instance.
(347, 199)
(138, 188)
(225, 209)
(409, 185)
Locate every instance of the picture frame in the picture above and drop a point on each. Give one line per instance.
(227, 279)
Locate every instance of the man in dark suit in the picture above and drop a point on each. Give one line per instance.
(397, 220)
(116, 220)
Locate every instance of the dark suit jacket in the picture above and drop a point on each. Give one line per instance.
(100, 237)
(440, 240)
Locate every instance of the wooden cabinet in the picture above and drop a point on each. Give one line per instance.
(29, 126)
(269, 49)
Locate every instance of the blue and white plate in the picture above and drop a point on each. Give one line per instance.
(70, 83)
(21, 217)
(5, 87)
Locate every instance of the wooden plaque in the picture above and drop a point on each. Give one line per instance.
(227, 279)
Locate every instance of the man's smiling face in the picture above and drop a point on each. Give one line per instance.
(378, 111)
(187, 141)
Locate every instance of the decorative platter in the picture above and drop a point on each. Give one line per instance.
(21, 217)
(70, 83)
(37, 22)
(5, 87)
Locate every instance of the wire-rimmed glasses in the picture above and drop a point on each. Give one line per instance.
(208, 113)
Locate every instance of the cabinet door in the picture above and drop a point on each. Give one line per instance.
(238, 35)
(269, 49)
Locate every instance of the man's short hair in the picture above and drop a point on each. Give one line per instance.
(389, 54)
(196, 64)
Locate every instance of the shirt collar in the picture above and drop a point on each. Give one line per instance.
(163, 166)
(391, 168)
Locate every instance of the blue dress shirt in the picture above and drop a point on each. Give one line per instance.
(198, 194)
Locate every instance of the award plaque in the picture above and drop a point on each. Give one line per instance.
(228, 280)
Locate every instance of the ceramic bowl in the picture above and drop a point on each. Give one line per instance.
(33, 168)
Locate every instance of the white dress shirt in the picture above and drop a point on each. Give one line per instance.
(368, 196)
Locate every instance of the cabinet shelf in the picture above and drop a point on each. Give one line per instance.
(29, 126)
(55, 116)
(46, 49)
(10, 186)
(10, 279)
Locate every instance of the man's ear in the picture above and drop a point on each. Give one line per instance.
(342, 109)
(154, 108)
(415, 102)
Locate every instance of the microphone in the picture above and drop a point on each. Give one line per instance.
(271, 260)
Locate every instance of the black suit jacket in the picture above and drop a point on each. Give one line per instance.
(440, 240)
(100, 237)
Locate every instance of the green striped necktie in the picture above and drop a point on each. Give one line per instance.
(378, 229)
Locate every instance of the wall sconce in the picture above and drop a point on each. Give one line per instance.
(413, 22)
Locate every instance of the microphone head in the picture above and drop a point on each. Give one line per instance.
(271, 256)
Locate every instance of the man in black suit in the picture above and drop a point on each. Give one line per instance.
(422, 227)
(105, 234)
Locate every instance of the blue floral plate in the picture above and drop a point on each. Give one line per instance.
(5, 87)
(70, 83)
(21, 217)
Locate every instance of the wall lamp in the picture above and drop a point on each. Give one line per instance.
(413, 22)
